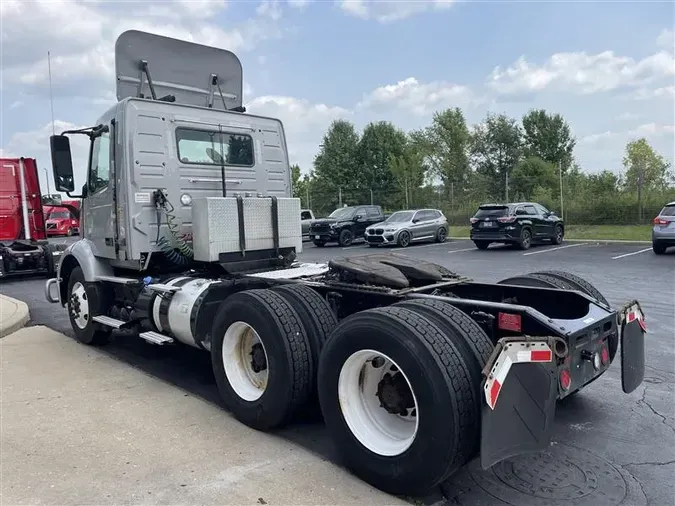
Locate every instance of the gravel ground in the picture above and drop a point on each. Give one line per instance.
(608, 448)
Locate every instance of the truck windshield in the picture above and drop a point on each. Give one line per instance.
(59, 215)
(400, 216)
(344, 213)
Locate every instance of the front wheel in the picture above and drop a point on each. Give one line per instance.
(86, 300)
(396, 398)
(558, 235)
(346, 238)
(404, 239)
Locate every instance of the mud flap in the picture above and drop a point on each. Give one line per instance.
(633, 330)
(520, 393)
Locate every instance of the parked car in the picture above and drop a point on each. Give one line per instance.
(519, 223)
(345, 224)
(663, 232)
(405, 227)
(306, 217)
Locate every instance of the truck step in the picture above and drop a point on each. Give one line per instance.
(110, 322)
(115, 279)
(155, 338)
(158, 287)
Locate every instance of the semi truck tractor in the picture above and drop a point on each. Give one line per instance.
(24, 248)
(191, 239)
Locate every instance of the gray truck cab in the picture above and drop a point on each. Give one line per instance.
(179, 128)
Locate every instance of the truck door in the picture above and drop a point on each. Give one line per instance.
(99, 218)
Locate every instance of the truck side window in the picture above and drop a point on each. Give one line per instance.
(373, 212)
(305, 215)
(99, 166)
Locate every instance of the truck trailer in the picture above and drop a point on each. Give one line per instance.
(191, 239)
(24, 248)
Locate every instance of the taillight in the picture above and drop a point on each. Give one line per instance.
(660, 221)
(508, 321)
(604, 355)
(473, 220)
(565, 379)
(506, 219)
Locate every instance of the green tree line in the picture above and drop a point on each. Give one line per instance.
(456, 167)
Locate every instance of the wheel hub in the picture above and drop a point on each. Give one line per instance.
(395, 395)
(258, 359)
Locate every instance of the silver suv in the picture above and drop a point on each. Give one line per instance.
(663, 232)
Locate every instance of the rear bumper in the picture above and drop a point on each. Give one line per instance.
(663, 236)
(503, 235)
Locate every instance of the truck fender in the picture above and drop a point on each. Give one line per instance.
(82, 253)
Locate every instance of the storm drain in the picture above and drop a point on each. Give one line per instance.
(563, 475)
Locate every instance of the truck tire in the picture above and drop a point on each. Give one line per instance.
(391, 359)
(537, 280)
(86, 300)
(578, 284)
(316, 316)
(264, 370)
(472, 342)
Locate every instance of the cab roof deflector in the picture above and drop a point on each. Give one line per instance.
(172, 70)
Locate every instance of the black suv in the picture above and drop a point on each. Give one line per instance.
(520, 223)
(345, 224)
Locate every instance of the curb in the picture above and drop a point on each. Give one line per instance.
(14, 315)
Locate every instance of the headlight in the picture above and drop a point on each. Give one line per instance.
(186, 199)
(390, 230)
(334, 225)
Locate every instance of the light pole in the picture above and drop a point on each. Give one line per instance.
(47, 176)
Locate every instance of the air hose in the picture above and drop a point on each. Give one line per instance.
(176, 248)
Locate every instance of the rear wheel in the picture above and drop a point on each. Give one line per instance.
(525, 240)
(404, 239)
(396, 397)
(441, 235)
(261, 358)
(658, 248)
(558, 235)
(482, 244)
(86, 300)
(346, 238)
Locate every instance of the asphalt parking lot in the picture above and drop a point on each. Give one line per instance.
(608, 448)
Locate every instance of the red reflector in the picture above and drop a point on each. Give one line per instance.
(565, 379)
(541, 356)
(494, 393)
(508, 321)
(604, 355)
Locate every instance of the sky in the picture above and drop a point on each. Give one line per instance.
(607, 67)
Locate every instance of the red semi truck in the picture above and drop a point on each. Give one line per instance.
(24, 248)
(62, 218)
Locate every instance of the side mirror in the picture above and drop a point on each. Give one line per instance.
(62, 163)
(358, 217)
(416, 220)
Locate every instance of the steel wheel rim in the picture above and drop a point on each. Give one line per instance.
(381, 432)
(237, 351)
(79, 305)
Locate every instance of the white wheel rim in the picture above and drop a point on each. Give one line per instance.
(378, 430)
(81, 317)
(238, 343)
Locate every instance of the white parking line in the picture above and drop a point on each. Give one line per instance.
(459, 250)
(554, 249)
(633, 253)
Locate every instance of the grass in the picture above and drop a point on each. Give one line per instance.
(587, 232)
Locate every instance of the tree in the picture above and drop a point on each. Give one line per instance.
(409, 170)
(336, 165)
(548, 136)
(378, 143)
(645, 170)
(496, 149)
(445, 146)
(530, 173)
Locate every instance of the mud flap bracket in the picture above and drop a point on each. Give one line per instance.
(520, 391)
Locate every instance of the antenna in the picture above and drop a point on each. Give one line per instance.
(51, 96)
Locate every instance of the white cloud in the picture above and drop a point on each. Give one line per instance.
(651, 131)
(387, 11)
(420, 99)
(651, 93)
(666, 39)
(298, 4)
(31, 28)
(582, 73)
